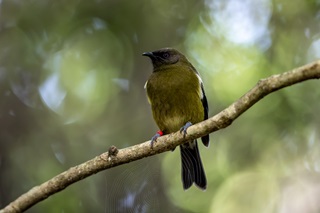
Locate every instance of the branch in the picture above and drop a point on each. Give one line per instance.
(115, 157)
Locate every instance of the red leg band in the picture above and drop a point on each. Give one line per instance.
(160, 132)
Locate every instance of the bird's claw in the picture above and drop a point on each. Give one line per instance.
(155, 137)
(184, 128)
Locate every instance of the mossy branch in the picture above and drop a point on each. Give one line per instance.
(115, 157)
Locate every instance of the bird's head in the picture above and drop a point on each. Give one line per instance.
(164, 57)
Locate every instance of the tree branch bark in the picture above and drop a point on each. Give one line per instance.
(115, 157)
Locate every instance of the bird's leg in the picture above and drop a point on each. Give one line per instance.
(185, 127)
(155, 137)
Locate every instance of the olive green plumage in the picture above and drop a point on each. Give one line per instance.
(170, 96)
(175, 93)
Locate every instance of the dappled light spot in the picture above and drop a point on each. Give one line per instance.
(246, 192)
(80, 80)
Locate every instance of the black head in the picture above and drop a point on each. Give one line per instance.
(165, 56)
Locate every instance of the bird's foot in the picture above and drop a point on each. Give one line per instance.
(184, 128)
(155, 137)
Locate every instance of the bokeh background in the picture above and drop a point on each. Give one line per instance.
(71, 85)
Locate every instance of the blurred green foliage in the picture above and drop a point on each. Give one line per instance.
(71, 85)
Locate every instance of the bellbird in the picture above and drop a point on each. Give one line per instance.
(176, 95)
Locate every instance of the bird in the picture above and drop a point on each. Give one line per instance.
(176, 94)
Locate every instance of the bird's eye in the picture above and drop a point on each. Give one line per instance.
(165, 55)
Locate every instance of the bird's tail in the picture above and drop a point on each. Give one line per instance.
(192, 169)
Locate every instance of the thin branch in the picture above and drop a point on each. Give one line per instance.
(165, 143)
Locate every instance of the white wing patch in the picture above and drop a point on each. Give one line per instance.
(145, 87)
(200, 84)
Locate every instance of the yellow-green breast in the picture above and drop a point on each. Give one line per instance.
(175, 97)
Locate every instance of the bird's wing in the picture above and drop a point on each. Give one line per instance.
(205, 139)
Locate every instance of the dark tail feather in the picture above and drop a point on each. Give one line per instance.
(205, 140)
(192, 169)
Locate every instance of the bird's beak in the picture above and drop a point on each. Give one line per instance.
(149, 54)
